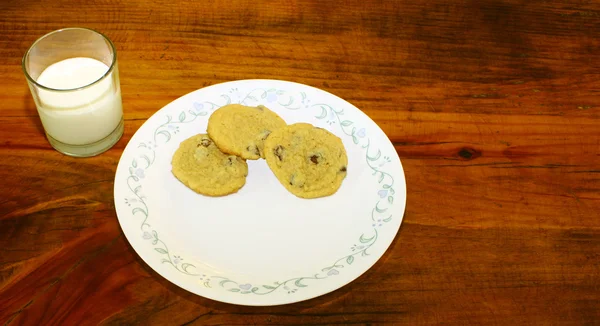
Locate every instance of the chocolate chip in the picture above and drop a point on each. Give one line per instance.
(278, 151)
(253, 149)
(296, 182)
(265, 134)
(205, 142)
(316, 158)
(343, 169)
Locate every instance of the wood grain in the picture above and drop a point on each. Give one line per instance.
(492, 105)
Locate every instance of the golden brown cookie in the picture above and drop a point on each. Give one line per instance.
(309, 162)
(200, 165)
(241, 130)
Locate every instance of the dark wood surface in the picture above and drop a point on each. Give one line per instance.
(493, 106)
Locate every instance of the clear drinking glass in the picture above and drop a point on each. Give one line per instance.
(74, 80)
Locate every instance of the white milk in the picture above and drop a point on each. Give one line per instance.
(83, 116)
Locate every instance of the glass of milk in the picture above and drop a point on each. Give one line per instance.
(74, 80)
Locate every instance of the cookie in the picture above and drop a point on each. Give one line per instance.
(201, 166)
(309, 162)
(241, 130)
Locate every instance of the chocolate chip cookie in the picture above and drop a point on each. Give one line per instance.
(200, 165)
(309, 162)
(241, 130)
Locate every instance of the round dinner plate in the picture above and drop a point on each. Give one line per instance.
(262, 245)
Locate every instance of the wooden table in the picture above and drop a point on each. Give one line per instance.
(492, 105)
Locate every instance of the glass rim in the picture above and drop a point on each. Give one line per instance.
(110, 69)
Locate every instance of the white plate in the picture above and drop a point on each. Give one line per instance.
(260, 246)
